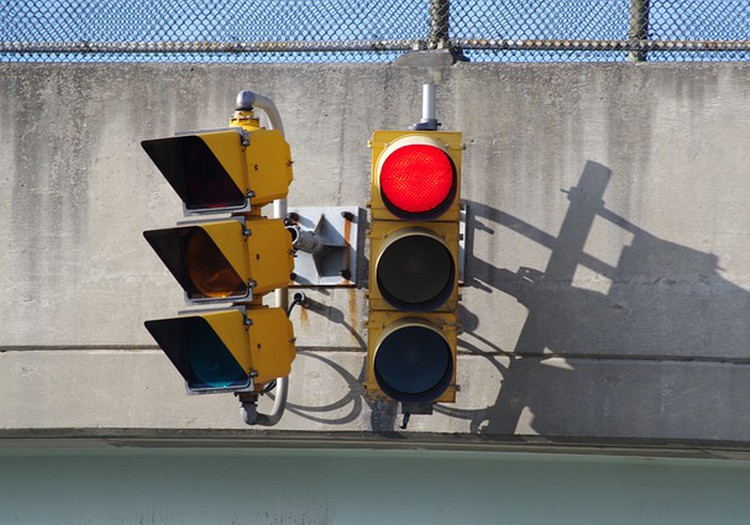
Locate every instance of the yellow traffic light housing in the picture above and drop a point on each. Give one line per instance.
(229, 169)
(414, 266)
(415, 189)
(227, 350)
(412, 356)
(232, 259)
(236, 258)
(416, 175)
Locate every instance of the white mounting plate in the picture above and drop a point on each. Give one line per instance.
(335, 264)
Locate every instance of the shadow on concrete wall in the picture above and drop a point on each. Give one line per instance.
(383, 412)
(666, 302)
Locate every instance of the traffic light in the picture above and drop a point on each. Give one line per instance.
(414, 263)
(227, 259)
(227, 350)
(229, 169)
(234, 259)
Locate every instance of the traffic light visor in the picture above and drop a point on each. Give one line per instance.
(198, 264)
(417, 180)
(416, 270)
(202, 168)
(199, 353)
(413, 362)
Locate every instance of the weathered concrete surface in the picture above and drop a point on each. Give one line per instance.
(608, 283)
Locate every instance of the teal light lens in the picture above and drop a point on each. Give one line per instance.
(198, 353)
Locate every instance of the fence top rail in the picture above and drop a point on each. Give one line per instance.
(370, 45)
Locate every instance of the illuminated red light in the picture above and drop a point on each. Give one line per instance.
(417, 179)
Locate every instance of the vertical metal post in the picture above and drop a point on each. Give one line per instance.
(439, 24)
(429, 120)
(428, 102)
(638, 29)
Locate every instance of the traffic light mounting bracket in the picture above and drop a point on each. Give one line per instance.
(326, 241)
(462, 243)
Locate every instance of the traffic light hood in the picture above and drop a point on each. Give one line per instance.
(229, 169)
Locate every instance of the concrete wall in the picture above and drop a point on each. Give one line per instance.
(608, 282)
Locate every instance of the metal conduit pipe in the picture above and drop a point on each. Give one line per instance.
(250, 414)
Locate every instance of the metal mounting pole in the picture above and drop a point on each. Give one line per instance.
(249, 410)
(439, 24)
(638, 29)
(429, 121)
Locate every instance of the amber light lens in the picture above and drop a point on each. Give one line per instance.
(209, 273)
(418, 181)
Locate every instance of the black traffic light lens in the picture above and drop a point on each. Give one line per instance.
(416, 272)
(198, 353)
(413, 364)
(197, 263)
(194, 172)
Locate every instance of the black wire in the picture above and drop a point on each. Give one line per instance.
(270, 386)
(295, 302)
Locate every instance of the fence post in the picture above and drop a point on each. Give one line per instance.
(439, 24)
(638, 29)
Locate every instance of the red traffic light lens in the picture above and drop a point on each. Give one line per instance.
(418, 180)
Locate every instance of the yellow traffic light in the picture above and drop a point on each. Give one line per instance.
(235, 259)
(414, 266)
(412, 356)
(414, 261)
(227, 350)
(416, 175)
(231, 169)
(231, 259)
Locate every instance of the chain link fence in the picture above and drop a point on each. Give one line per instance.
(373, 30)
